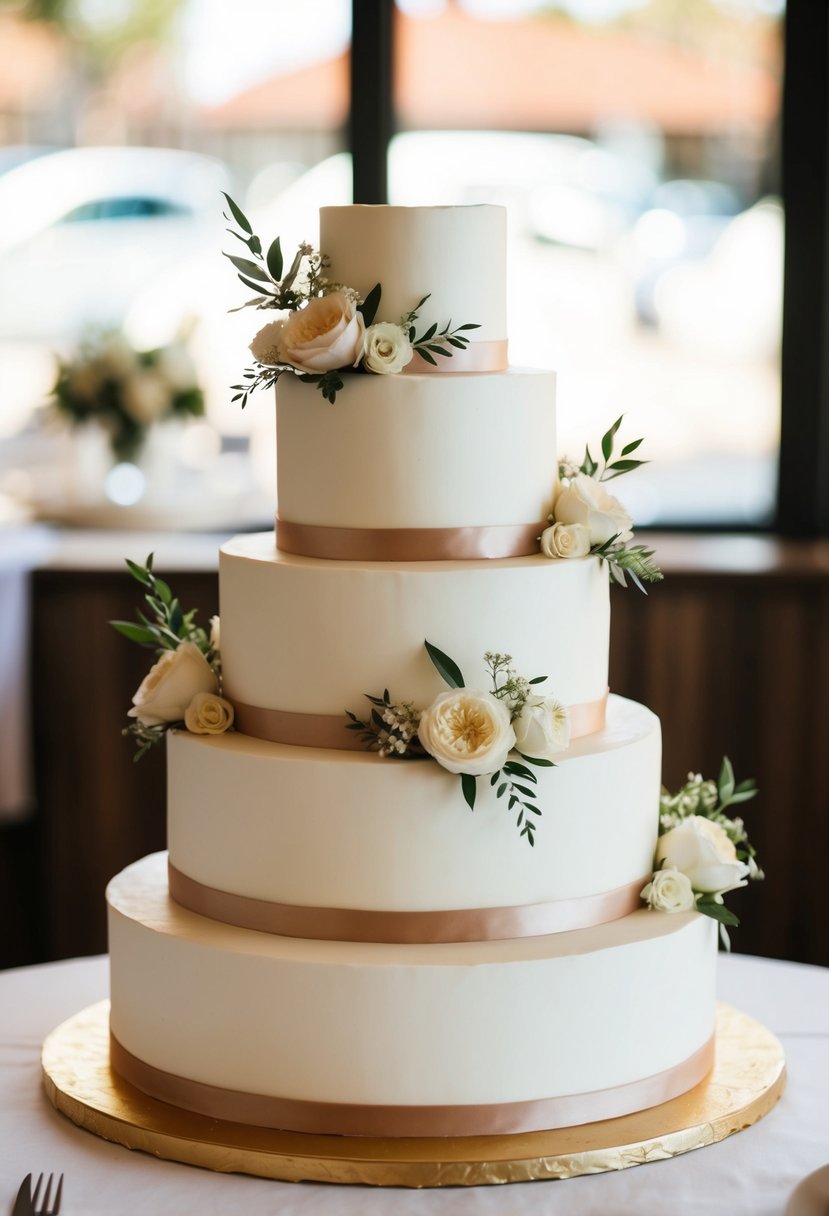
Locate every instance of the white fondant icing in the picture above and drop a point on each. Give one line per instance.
(486, 1022)
(418, 451)
(311, 636)
(456, 255)
(354, 830)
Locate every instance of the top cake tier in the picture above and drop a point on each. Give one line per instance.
(455, 254)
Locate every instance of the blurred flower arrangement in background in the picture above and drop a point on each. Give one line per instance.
(126, 391)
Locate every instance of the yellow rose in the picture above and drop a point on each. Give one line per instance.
(208, 714)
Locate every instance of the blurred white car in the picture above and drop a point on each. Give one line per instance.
(84, 230)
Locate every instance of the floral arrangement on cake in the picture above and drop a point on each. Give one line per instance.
(703, 852)
(327, 328)
(586, 519)
(126, 391)
(476, 733)
(183, 687)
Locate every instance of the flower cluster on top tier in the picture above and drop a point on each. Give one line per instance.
(472, 733)
(183, 687)
(702, 853)
(126, 391)
(326, 328)
(586, 519)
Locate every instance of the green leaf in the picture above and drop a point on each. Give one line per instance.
(438, 350)
(140, 572)
(520, 770)
(539, 679)
(424, 354)
(239, 215)
(274, 260)
(460, 327)
(607, 438)
(469, 787)
(136, 633)
(522, 789)
(370, 304)
(252, 269)
(717, 912)
(260, 286)
(588, 465)
(430, 332)
(162, 590)
(631, 447)
(499, 793)
(624, 466)
(447, 668)
(494, 778)
(725, 781)
(537, 761)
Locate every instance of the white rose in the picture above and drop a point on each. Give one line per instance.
(327, 333)
(386, 348)
(585, 501)
(565, 540)
(146, 396)
(669, 891)
(703, 852)
(170, 685)
(467, 731)
(265, 345)
(542, 729)
(208, 714)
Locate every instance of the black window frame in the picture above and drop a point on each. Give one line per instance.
(803, 463)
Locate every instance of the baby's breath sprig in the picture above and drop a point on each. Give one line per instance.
(507, 685)
(391, 729)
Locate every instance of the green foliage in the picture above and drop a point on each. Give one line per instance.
(447, 668)
(168, 625)
(611, 468)
(629, 561)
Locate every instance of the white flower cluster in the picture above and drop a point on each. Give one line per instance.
(329, 333)
(402, 721)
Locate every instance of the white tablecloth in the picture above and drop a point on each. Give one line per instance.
(751, 1174)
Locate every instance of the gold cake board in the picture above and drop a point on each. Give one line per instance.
(748, 1077)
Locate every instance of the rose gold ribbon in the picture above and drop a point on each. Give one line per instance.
(331, 730)
(478, 357)
(346, 1119)
(409, 928)
(407, 544)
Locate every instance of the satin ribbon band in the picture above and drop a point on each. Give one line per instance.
(489, 356)
(345, 1119)
(331, 730)
(407, 544)
(404, 928)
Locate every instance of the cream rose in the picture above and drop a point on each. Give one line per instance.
(265, 345)
(208, 714)
(386, 348)
(170, 685)
(704, 853)
(467, 731)
(669, 891)
(327, 333)
(585, 501)
(542, 729)
(565, 540)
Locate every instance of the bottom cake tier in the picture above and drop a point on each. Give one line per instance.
(388, 1040)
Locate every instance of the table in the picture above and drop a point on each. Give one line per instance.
(750, 1174)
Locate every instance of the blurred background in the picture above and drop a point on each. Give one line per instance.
(639, 146)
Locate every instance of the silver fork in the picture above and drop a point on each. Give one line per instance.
(46, 1209)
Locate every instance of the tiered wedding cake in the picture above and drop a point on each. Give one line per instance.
(337, 943)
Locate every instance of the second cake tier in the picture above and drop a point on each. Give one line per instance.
(306, 636)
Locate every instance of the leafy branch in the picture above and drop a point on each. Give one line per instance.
(434, 341)
(629, 561)
(169, 625)
(610, 469)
